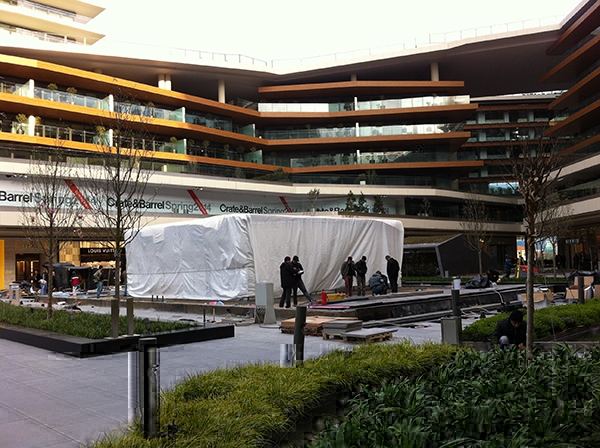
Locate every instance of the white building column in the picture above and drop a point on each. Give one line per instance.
(435, 71)
(221, 90)
(30, 89)
(164, 81)
(31, 126)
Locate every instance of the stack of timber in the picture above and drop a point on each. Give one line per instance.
(367, 335)
(338, 327)
(314, 324)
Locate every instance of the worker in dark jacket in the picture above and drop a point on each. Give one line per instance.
(361, 275)
(299, 283)
(288, 274)
(511, 330)
(393, 269)
(348, 271)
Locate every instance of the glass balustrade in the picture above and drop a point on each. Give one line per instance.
(427, 101)
(381, 157)
(148, 111)
(273, 134)
(70, 98)
(9, 87)
(372, 131)
(213, 122)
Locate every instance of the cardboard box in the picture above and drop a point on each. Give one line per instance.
(537, 296)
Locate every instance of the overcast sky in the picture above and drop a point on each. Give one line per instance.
(280, 29)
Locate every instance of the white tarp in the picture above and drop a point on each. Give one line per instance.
(223, 257)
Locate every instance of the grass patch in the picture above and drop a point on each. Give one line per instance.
(249, 405)
(85, 325)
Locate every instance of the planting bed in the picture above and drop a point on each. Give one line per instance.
(82, 347)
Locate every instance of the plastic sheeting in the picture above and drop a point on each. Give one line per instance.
(223, 257)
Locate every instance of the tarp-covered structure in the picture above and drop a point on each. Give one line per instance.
(223, 257)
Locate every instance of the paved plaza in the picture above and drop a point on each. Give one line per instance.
(50, 400)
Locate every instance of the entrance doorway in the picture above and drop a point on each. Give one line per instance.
(27, 264)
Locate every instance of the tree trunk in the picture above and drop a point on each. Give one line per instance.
(529, 291)
(50, 285)
(554, 259)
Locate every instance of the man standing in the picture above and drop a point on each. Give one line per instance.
(393, 269)
(511, 330)
(361, 272)
(98, 280)
(287, 273)
(508, 266)
(299, 283)
(348, 271)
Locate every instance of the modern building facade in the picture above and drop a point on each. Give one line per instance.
(410, 133)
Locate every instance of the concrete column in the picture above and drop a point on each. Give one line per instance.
(400, 206)
(31, 126)
(30, 88)
(221, 90)
(164, 81)
(435, 71)
(353, 77)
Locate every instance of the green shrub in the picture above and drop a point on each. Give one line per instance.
(85, 325)
(489, 399)
(546, 322)
(248, 405)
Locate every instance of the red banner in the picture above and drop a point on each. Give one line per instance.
(197, 201)
(287, 207)
(78, 194)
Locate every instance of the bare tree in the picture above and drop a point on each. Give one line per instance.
(117, 187)
(556, 215)
(534, 167)
(475, 225)
(51, 213)
(313, 196)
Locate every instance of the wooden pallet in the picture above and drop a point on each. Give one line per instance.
(366, 335)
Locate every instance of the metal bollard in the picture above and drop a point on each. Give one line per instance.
(148, 395)
(132, 387)
(299, 334)
(581, 290)
(455, 301)
(286, 353)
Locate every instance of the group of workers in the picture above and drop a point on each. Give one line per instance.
(291, 271)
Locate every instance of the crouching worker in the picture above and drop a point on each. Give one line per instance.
(511, 331)
(378, 284)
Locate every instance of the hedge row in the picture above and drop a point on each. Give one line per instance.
(85, 325)
(253, 404)
(547, 321)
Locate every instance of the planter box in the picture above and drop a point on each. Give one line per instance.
(82, 347)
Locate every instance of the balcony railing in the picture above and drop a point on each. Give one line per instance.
(427, 101)
(381, 157)
(363, 131)
(70, 98)
(148, 111)
(50, 10)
